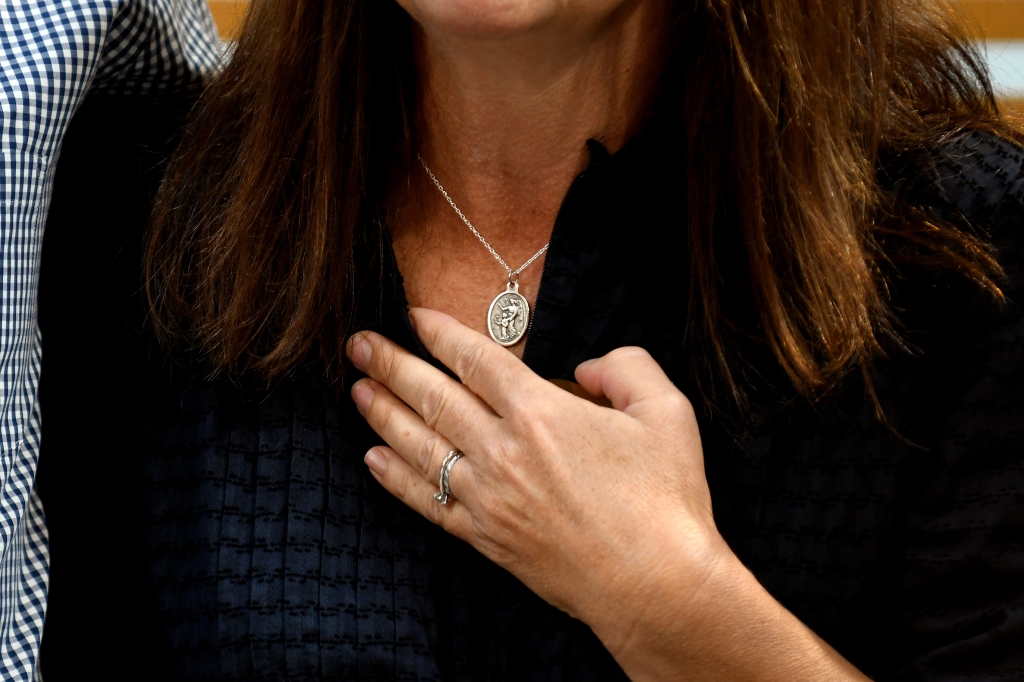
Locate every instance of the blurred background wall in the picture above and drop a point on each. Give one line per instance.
(998, 23)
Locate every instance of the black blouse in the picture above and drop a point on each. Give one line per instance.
(270, 553)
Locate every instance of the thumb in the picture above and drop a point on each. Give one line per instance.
(629, 377)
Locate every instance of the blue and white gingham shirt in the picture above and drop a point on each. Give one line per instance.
(54, 53)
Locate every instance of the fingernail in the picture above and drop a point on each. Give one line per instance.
(585, 363)
(362, 395)
(377, 462)
(359, 351)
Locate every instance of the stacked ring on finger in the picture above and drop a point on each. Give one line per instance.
(444, 477)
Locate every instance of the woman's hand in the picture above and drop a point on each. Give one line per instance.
(556, 489)
(603, 512)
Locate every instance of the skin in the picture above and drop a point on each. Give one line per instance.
(604, 512)
(511, 91)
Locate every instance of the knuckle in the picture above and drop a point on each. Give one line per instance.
(387, 361)
(431, 335)
(500, 457)
(679, 403)
(504, 459)
(470, 362)
(628, 353)
(429, 452)
(381, 415)
(530, 427)
(436, 403)
(532, 419)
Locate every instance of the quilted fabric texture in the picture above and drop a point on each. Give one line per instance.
(275, 556)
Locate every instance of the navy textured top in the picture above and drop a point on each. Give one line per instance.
(270, 553)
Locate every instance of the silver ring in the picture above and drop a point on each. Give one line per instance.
(444, 477)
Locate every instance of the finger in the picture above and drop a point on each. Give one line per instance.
(489, 370)
(404, 430)
(445, 405)
(405, 483)
(630, 378)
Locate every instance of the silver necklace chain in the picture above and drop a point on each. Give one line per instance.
(513, 275)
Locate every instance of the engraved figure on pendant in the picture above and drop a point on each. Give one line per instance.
(509, 317)
(509, 314)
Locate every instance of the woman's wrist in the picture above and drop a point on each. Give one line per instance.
(699, 613)
(653, 597)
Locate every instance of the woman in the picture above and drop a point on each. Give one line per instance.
(779, 241)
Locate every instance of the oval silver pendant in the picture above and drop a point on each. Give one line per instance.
(509, 317)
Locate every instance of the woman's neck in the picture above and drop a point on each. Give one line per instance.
(503, 120)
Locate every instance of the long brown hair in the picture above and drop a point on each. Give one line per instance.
(789, 104)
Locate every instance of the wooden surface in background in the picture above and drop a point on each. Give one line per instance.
(998, 19)
(1015, 107)
(994, 18)
(228, 15)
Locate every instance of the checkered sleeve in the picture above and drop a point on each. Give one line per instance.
(53, 53)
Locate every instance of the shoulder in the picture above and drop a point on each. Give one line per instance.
(981, 174)
(956, 396)
(975, 181)
(966, 346)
